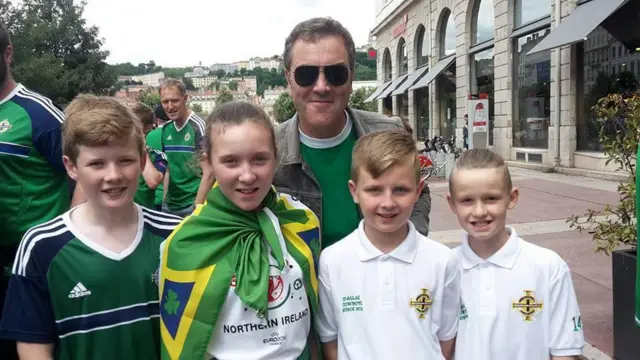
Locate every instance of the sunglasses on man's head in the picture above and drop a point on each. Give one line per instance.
(307, 75)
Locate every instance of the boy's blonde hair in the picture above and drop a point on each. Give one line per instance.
(98, 121)
(378, 151)
(481, 159)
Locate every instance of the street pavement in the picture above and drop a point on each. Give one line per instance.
(546, 201)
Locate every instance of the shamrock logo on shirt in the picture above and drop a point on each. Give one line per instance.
(171, 303)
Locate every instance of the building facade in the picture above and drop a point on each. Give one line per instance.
(436, 57)
(149, 79)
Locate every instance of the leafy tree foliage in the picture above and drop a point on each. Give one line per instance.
(150, 98)
(283, 108)
(224, 97)
(358, 97)
(55, 52)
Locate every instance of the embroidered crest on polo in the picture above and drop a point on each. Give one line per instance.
(527, 305)
(422, 303)
(187, 136)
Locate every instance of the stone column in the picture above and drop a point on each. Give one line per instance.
(568, 103)
(463, 41)
(503, 79)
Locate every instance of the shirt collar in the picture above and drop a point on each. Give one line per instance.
(406, 251)
(327, 143)
(505, 257)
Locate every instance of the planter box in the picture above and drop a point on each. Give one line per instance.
(626, 335)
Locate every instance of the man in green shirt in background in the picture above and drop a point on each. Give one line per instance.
(315, 145)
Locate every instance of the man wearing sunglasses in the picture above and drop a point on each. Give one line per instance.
(315, 145)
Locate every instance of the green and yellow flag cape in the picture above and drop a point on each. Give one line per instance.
(216, 242)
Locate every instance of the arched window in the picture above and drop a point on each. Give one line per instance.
(386, 61)
(403, 58)
(482, 23)
(447, 34)
(422, 47)
(527, 11)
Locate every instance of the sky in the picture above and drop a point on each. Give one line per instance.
(187, 32)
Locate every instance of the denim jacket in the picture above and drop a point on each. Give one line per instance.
(294, 176)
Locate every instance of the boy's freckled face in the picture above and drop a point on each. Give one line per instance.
(480, 200)
(108, 174)
(387, 202)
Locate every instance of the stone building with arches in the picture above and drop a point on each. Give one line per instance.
(433, 55)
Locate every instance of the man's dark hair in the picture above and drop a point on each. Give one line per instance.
(5, 39)
(313, 29)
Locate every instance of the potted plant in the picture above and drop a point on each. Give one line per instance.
(614, 227)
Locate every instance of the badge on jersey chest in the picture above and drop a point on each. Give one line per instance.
(187, 136)
(5, 125)
(527, 305)
(422, 303)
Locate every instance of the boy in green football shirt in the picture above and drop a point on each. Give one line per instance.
(85, 284)
(181, 140)
(156, 162)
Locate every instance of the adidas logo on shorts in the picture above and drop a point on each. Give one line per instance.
(79, 291)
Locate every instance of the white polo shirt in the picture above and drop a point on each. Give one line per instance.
(388, 306)
(519, 304)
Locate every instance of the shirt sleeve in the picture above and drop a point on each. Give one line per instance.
(49, 145)
(565, 336)
(451, 300)
(28, 313)
(326, 324)
(159, 160)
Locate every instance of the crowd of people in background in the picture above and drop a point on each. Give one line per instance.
(229, 238)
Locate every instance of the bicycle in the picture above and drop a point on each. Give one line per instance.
(427, 167)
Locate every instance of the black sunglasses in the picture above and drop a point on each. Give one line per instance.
(307, 75)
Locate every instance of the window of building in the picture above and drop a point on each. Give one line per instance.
(403, 58)
(482, 82)
(446, 84)
(527, 11)
(482, 23)
(603, 81)
(386, 60)
(613, 52)
(447, 34)
(422, 47)
(421, 96)
(533, 93)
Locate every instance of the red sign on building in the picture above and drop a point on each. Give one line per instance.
(401, 28)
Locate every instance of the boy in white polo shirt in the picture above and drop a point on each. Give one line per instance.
(518, 301)
(385, 290)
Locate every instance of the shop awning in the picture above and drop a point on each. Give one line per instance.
(435, 71)
(380, 89)
(394, 85)
(412, 79)
(580, 22)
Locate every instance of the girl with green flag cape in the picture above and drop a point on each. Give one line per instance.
(238, 277)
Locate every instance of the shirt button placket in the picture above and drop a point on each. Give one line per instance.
(387, 285)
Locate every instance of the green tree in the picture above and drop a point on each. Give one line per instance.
(197, 108)
(224, 97)
(233, 86)
(283, 108)
(150, 98)
(55, 52)
(243, 72)
(220, 74)
(364, 73)
(188, 84)
(358, 97)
